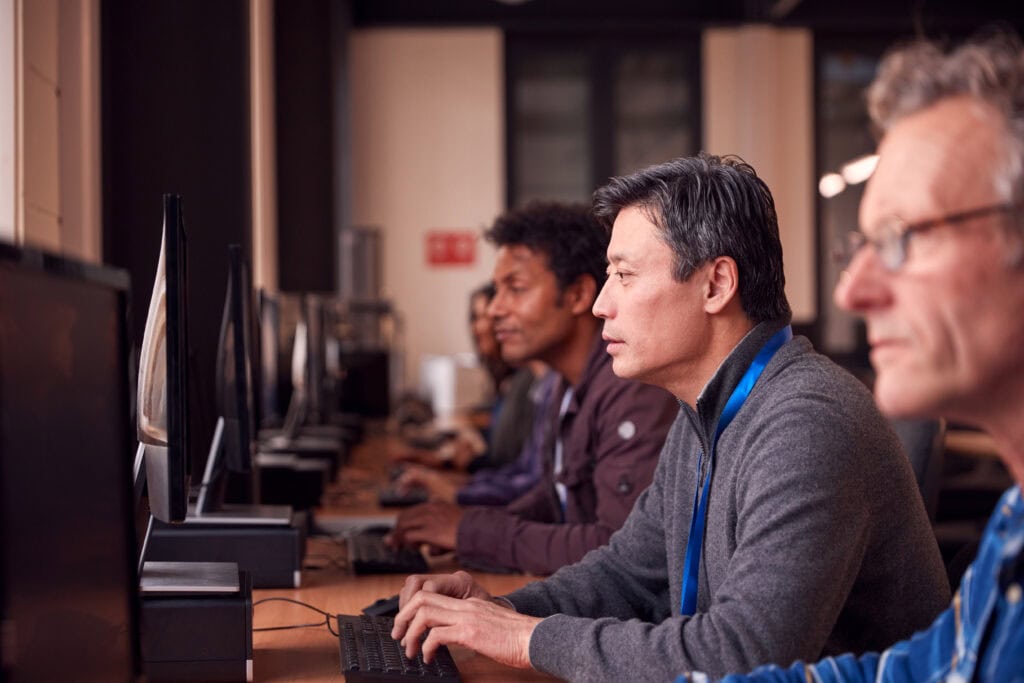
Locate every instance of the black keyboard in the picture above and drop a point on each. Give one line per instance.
(367, 554)
(389, 496)
(369, 654)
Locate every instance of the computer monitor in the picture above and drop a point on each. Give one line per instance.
(231, 446)
(163, 376)
(315, 352)
(234, 369)
(270, 348)
(69, 606)
(298, 405)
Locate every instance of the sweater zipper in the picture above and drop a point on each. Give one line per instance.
(705, 458)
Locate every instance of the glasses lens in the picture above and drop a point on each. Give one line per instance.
(846, 248)
(892, 243)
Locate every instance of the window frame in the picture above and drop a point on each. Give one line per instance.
(602, 49)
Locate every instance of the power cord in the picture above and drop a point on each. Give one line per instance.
(326, 622)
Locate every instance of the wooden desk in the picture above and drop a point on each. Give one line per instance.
(312, 654)
(978, 445)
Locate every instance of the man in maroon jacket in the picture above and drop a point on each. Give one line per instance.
(605, 432)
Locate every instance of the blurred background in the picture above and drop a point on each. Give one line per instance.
(358, 147)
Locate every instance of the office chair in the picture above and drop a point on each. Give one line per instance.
(924, 443)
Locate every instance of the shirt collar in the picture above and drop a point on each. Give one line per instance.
(596, 359)
(713, 397)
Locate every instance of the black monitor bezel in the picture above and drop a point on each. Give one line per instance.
(176, 283)
(236, 315)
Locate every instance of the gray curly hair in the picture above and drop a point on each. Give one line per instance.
(990, 68)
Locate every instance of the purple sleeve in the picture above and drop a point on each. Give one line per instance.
(527, 536)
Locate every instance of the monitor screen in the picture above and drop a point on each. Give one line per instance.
(67, 535)
(298, 403)
(314, 310)
(231, 447)
(270, 367)
(163, 375)
(234, 369)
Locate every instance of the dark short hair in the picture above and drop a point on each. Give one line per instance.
(569, 235)
(705, 207)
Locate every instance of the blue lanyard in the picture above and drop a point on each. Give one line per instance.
(691, 565)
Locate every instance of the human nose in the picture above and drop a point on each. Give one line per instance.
(863, 285)
(495, 307)
(602, 304)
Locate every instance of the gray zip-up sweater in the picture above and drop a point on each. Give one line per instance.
(817, 541)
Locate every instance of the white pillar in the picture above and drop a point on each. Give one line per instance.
(758, 104)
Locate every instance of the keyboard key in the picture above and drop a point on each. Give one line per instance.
(370, 655)
(368, 554)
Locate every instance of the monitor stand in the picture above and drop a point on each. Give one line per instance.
(196, 621)
(161, 578)
(242, 515)
(268, 541)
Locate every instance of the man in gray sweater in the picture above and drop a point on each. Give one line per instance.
(783, 520)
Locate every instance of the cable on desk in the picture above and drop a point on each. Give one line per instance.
(326, 622)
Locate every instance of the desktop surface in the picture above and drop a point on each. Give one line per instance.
(312, 654)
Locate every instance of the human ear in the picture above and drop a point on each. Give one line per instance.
(581, 294)
(723, 284)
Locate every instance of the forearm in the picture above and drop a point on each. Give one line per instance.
(746, 627)
(928, 655)
(625, 579)
(496, 488)
(496, 538)
(578, 648)
(845, 669)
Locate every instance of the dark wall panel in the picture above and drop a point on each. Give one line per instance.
(175, 99)
(305, 144)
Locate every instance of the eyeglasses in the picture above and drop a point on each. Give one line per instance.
(891, 237)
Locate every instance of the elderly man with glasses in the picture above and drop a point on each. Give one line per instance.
(941, 289)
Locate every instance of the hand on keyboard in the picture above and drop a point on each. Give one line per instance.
(437, 485)
(368, 554)
(435, 524)
(369, 655)
(458, 585)
(454, 609)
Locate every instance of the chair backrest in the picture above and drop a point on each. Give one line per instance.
(924, 443)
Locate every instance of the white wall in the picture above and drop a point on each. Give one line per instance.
(428, 153)
(758, 89)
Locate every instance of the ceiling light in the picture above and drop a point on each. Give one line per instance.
(830, 185)
(860, 169)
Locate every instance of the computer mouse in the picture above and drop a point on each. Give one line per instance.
(385, 607)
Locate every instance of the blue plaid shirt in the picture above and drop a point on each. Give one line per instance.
(980, 637)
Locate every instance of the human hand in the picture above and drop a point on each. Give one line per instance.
(433, 523)
(463, 450)
(421, 456)
(457, 585)
(455, 610)
(438, 486)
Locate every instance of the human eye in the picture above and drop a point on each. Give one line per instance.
(619, 270)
